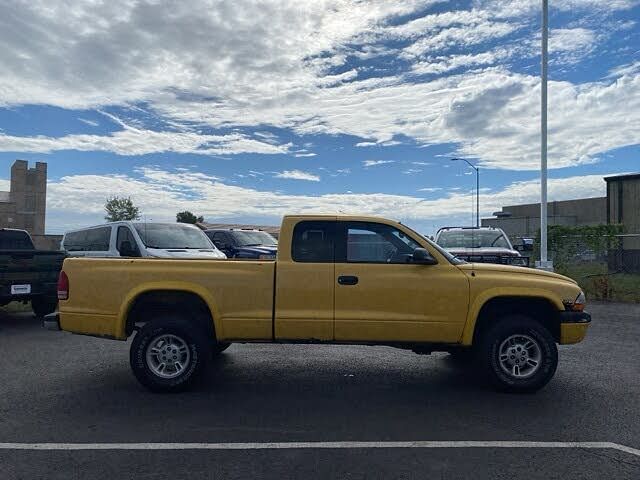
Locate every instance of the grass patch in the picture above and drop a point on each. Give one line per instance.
(16, 307)
(598, 284)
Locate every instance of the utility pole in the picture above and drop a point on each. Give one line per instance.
(544, 263)
(477, 187)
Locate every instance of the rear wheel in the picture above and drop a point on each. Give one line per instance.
(518, 354)
(42, 306)
(168, 354)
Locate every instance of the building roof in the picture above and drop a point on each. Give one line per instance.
(628, 176)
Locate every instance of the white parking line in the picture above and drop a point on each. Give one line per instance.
(315, 445)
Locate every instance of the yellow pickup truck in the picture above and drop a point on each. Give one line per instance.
(336, 279)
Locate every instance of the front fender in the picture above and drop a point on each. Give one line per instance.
(483, 297)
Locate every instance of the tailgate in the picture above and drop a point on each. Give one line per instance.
(33, 267)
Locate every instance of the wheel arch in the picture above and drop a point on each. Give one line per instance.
(539, 307)
(141, 304)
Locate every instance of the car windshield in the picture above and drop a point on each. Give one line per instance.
(472, 239)
(451, 258)
(248, 238)
(172, 235)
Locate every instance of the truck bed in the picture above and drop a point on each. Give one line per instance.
(239, 294)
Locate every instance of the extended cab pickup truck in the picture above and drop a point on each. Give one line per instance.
(27, 274)
(337, 279)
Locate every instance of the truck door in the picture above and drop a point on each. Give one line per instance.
(381, 296)
(305, 282)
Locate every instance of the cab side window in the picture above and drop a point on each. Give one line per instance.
(377, 243)
(221, 239)
(126, 244)
(313, 241)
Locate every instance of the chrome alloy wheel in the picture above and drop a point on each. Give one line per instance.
(168, 356)
(520, 356)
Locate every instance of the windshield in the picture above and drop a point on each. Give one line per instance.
(172, 235)
(451, 258)
(249, 238)
(472, 239)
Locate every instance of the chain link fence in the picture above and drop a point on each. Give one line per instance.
(606, 269)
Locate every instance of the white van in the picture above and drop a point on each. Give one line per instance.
(140, 239)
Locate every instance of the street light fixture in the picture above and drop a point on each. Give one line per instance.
(477, 186)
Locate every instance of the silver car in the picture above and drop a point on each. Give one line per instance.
(479, 245)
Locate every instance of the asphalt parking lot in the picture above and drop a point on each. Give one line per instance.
(61, 388)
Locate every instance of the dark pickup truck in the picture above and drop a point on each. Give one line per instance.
(27, 274)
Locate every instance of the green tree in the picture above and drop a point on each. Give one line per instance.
(188, 217)
(120, 208)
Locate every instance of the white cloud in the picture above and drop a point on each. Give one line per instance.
(309, 154)
(79, 199)
(273, 65)
(438, 65)
(134, 141)
(298, 175)
(91, 123)
(375, 163)
(460, 36)
(430, 189)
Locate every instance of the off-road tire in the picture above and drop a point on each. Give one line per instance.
(198, 345)
(490, 360)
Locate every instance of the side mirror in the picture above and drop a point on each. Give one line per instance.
(127, 250)
(423, 257)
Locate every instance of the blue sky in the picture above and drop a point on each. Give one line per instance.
(244, 111)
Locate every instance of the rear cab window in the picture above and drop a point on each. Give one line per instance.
(314, 242)
(15, 240)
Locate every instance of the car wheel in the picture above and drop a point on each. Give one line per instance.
(518, 354)
(168, 354)
(43, 306)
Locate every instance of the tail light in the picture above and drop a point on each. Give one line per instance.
(63, 286)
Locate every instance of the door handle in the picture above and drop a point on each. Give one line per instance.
(348, 280)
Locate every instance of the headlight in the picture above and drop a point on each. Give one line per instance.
(579, 303)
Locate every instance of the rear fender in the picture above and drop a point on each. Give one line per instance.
(150, 287)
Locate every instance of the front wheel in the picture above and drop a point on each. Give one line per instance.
(518, 354)
(167, 355)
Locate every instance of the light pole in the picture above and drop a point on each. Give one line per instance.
(544, 263)
(477, 186)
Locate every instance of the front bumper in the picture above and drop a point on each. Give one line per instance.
(573, 326)
(51, 321)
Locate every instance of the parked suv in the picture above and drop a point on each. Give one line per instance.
(140, 239)
(244, 243)
(480, 245)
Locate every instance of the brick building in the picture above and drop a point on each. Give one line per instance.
(24, 205)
